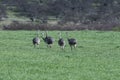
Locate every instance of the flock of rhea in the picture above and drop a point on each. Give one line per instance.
(50, 40)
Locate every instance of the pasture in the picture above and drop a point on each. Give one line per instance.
(97, 57)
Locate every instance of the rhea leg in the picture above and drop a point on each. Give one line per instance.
(71, 47)
(49, 46)
(62, 47)
(34, 45)
(75, 46)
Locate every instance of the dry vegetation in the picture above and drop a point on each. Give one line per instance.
(31, 26)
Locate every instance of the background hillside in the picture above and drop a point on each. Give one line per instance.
(60, 14)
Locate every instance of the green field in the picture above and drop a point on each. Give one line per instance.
(97, 57)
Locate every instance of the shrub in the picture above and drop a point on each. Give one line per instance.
(30, 26)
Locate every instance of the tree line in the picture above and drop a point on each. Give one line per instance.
(76, 11)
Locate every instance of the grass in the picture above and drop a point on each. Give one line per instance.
(97, 57)
(13, 16)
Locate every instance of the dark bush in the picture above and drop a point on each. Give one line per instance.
(30, 26)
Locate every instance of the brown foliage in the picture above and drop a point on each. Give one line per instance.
(31, 26)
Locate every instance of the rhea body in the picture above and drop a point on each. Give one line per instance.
(36, 40)
(48, 40)
(61, 41)
(71, 41)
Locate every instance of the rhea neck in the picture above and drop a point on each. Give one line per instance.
(43, 36)
(67, 35)
(37, 33)
(59, 35)
(46, 33)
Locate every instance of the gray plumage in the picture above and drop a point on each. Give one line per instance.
(36, 40)
(61, 41)
(72, 41)
(48, 40)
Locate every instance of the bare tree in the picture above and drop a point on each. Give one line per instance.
(2, 11)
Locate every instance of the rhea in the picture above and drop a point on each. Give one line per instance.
(48, 39)
(61, 41)
(36, 40)
(72, 41)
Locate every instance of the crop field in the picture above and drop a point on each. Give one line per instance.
(96, 57)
